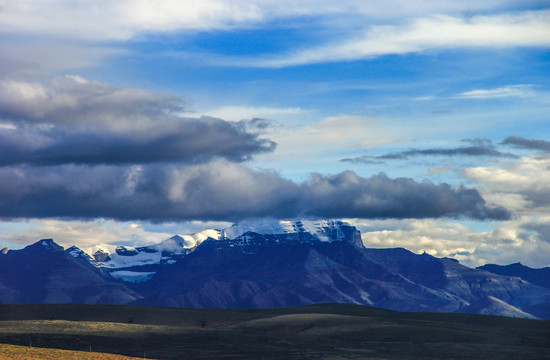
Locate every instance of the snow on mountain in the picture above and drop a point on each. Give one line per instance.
(139, 264)
(125, 257)
(181, 244)
(322, 230)
(170, 250)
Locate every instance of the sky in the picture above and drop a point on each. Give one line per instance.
(424, 123)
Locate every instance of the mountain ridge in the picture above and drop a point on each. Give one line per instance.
(308, 263)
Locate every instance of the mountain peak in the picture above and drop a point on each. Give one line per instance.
(297, 229)
(76, 252)
(183, 244)
(47, 244)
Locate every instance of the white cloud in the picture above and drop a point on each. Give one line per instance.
(530, 28)
(501, 92)
(84, 234)
(235, 113)
(511, 241)
(359, 131)
(308, 146)
(120, 20)
(63, 35)
(92, 235)
(522, 185)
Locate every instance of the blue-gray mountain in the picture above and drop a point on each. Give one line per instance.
(266, 264)
(539, 277)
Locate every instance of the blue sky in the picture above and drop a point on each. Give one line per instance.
(424, 123)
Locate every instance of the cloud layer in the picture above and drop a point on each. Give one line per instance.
(529, 144)
(435, 32)
(221, 190)
(477, 148)
(74, 120)
(79, 149)
(107, 20)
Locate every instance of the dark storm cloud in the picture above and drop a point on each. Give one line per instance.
(80, 149)
(221, 190)
(529, 144)
(350, 195)
(184, 140)
(74, 120)
(478, 148)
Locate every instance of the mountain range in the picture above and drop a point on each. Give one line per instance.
(263, 264)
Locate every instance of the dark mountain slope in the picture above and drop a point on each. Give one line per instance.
(222, 274)
(539, 277)
(268, 270)
(44, 273)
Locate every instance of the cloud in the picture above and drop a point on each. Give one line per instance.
(520, 239)
(105, 20)
(236, 113)
(74, 120)
(221, 190)
(44, 38)
(84, 234)
(186, 141)
(348, 195)
(529, 144)
(360, 131)
(460, 151)
(31, 58)
(497, 93)
(478, 148)
(365, 160)
(522, 185)
(75, 101)
(529, 28)
(311, 142)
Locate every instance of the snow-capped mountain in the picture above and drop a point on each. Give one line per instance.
(139, 264)
(301, 230)
(184, 244)
(264, 264)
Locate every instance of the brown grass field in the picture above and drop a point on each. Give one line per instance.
(15, 352)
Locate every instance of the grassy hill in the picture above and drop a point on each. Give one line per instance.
(336, 331)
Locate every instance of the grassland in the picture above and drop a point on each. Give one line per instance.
(328, 331)
(15, 352)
